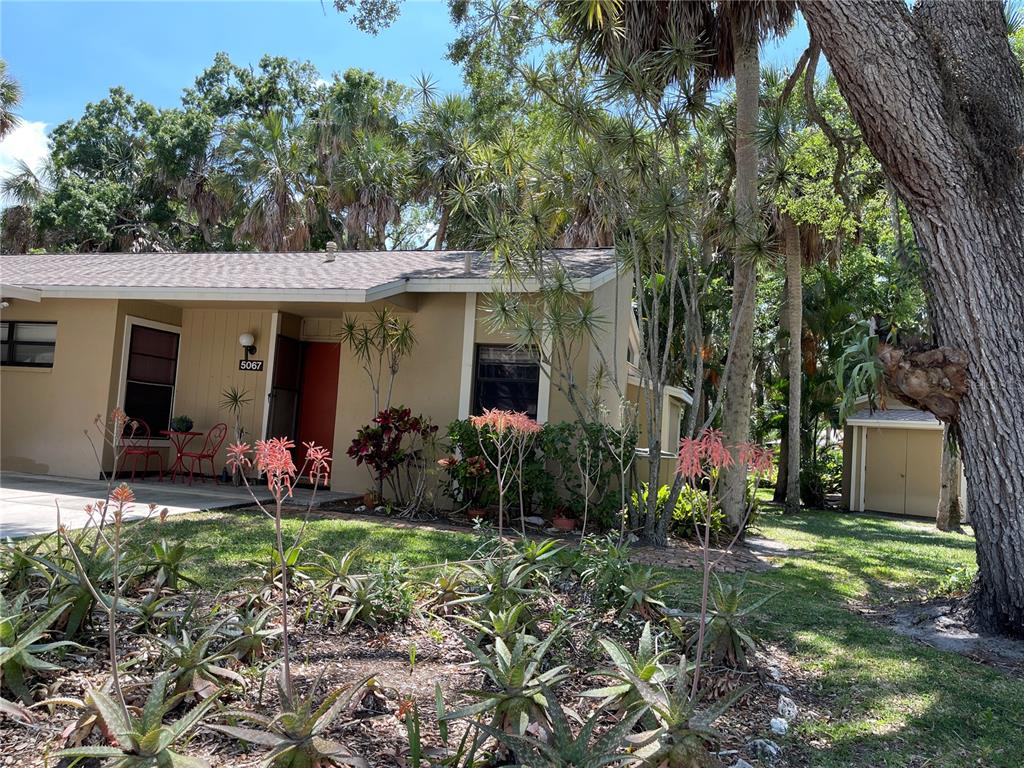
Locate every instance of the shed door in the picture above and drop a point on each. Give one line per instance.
(924, 460)
(885, 481)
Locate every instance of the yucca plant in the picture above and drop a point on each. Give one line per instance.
(194, 667)
(22, 636)
(565, 749)
(143, 739)
(296, 735)
(727, 638)
(646, 665)
(516, 675)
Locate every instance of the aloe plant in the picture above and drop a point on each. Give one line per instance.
(296, 735)
(516, 676)
(194, 666)
(165, 562)
(251, 633)
(143, 739)
(565, 749)
(727, 637)
(21, 639)
(646, 665)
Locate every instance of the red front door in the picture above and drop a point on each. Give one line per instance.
(318, 396)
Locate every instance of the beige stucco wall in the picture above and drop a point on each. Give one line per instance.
(427, 382)
(208, 364)
(45, 411)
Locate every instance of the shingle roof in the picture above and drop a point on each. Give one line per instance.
(893, 417)
(352, 273)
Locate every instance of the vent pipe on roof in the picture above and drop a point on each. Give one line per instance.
(467, 265)
(332, 247)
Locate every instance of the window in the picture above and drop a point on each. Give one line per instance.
(28, 344)
(149, 382)
(506, 378)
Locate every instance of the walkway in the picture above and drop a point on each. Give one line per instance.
(28, 503)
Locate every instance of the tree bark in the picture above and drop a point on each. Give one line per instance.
(779, 494)
(947, 516)
(939, 96)
(739, 376)
(794, 324)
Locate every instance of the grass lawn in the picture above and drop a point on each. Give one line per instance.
(887, 701)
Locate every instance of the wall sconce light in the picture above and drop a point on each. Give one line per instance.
(248, 342)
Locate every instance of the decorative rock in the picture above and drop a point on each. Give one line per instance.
(778, 688)
(536, 521)
(779, 726)
(787, 708)
(380, 510)
(361, 508)
(765, 749)
(741, 763)
(775, 672)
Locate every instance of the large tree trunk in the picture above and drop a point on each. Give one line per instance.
(939, 97)
(739, 374)
(794, 324)
(947, 516)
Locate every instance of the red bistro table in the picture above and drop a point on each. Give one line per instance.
(180, 441)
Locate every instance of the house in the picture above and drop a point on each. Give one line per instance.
(162, 335)
(891, 461)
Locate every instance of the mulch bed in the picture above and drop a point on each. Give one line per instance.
(374, 730)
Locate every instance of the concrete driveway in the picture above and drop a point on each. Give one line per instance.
(28, 503)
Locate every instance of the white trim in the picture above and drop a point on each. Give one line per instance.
(895, 424)
(122, 380)
(544, 384)
(863, 464)
(20, 292)
(275, 319)
(468, 343)
(854, 479)
(672, 391)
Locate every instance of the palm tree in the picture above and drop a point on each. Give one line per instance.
(741, 26)
(271, 160)
(23, 189)
(10, 99)
(371, 183)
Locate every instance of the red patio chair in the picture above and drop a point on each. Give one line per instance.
(214, 440)
(136, 445)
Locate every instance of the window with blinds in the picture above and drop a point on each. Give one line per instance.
(149, 384)
(507, 378)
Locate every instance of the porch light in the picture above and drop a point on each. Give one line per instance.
(248, 342)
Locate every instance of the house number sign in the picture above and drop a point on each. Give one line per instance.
(250, 365)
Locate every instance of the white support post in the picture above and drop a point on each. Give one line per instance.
(275, 321)
(468, 345)
(854, 468)
(544, 385)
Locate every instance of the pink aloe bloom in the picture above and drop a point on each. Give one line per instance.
(123, 494)
(691, 451)
(274, 457)
(319, 460)
(238, 456)
(714, 450)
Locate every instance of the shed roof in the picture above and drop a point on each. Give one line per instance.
(352, 276)
(905, 418)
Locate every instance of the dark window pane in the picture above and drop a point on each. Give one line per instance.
(156, 370)
(150, 403)
(506, 378)
(4, 331)
(150, 341)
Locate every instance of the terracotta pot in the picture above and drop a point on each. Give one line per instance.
(563, 523)
(370, 499)
(476, 513)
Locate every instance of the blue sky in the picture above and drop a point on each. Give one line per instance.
(66, 54)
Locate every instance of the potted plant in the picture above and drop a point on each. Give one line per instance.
(563, 519)
(181, 424)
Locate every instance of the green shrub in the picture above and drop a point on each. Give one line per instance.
(689, 513)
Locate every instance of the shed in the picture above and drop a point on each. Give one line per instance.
(891, 461)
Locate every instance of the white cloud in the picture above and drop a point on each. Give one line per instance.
(27, 142)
